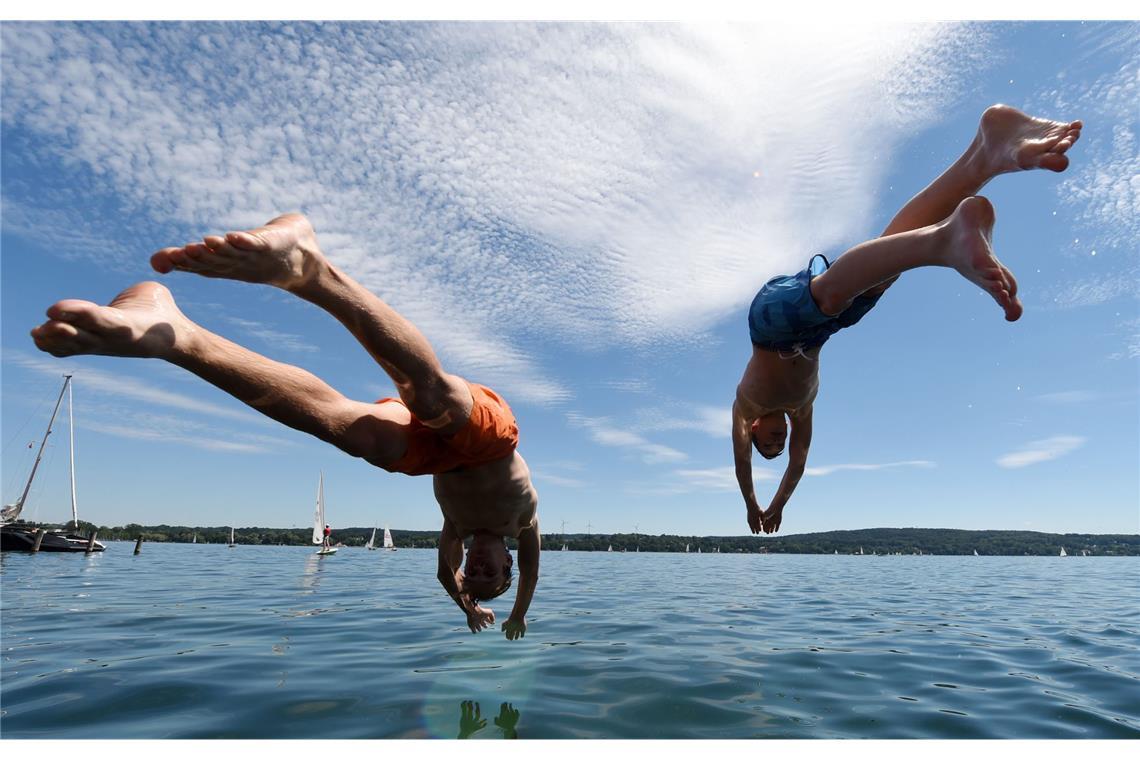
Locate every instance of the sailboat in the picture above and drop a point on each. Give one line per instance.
(563, 547)
(389, 545)
(15, 534)
(231, 536)
(610, 548)
(195, 539)
(1063, 553)
(371, 541)
(319, 519)
(686, 548)
(698, 550)
(975, 552)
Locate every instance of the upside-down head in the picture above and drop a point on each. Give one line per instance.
(769, 434)
(487, 571)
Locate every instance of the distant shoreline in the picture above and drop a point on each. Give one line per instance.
(882, 541)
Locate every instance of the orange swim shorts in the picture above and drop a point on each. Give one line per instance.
(490, 433)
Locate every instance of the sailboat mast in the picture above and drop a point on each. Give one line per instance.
(39, 455)
(71, 440)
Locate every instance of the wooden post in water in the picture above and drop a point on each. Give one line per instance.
(91, 542)
(138, 546)
(39, 540)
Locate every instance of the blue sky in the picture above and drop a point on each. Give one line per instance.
(578, 216)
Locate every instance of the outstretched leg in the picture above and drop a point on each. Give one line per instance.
(1007, 141)
(143, 321)
(284, 253)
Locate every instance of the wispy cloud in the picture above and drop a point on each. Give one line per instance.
(115, 384)
(276, 338)
(1102, 189)
(499, 184)
(1042, 451)
(603, 432)
(1131, 348)
(710, 420)
(721, 478)
(558, 480)
(828, 469)
(171, 430)
(1067, 397)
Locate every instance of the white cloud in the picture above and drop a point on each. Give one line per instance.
(559, 480)
(721, 478)
(115, 384)
(603, 432)
(828, 469)
(276, 338)
(97, 392)
(1067, 397)
(1101, 190)
(499, 184)
(715, 421)
(1042, 451)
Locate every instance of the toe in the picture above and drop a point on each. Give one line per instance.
(1057, 162)
(160, 261)
(247, 241)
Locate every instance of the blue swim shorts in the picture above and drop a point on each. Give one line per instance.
(784, 316)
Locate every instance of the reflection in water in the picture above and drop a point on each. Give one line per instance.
(311, 578)
(471, 720)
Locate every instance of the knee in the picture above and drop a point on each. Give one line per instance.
(828, 301)
(443, 403)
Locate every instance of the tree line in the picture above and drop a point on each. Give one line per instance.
(942, 541)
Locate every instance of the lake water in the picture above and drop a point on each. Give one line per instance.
(203, 641)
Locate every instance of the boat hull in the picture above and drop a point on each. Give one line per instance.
(23, 538)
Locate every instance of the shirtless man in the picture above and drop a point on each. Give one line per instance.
(461, 433)
(792, 316)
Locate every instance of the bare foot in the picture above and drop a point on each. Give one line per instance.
(971, 253)
(1009, 141)
(142, 321)
(283, 253)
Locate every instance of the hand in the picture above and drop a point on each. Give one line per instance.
(478, 617)
(771, 519)
(470, 720)
(507, 720)
(514, 628)
(754, 518)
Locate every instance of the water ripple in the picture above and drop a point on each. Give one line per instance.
(265, 642)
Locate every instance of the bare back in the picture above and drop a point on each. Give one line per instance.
(497, 497)
(774, 382)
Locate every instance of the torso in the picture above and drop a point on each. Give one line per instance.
(497, 497)
(774, 382)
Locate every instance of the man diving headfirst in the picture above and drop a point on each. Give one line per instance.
(462, 434)
(793, 315)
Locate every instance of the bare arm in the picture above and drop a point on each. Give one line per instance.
(798, 444)
(450, 558)
(530, 548)
(742, 456)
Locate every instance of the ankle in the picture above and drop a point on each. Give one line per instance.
(316, 272)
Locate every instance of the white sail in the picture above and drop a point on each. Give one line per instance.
(610, 548)
(388, 543)
(975, 552)
(563, 547)
(1063, 553)
(71, 441)
(686, 548)
(319, 516)
(371, 540)
(231, 535)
